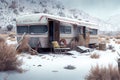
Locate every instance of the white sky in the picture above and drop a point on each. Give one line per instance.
(102, 9)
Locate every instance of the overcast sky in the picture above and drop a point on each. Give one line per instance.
(102, 9)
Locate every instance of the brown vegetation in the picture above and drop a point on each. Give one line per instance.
(25, 47)
(8, 58)
(117, 41)
(117, 37)
(5, 36)
(103, 73)
(94, 56)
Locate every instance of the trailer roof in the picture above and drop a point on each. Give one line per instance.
(36, 19)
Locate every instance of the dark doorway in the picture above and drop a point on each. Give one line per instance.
(84, 32)
(57, 31)
(53, 33)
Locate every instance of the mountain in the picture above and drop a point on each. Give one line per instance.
(81, 15)
(115, 21)
(10, 9)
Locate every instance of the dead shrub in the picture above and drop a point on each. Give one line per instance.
(107, 38)
(25, 47)
(70, 67)
(103, 73)
(11, 39)
(94, 56)
(2, 40)
(118, 42)
(8, 58)
(117, 37)
(74, 42)
(5, 36)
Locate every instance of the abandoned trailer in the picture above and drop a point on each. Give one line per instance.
(43, 29)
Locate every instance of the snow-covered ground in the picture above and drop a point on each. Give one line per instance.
(51, 66)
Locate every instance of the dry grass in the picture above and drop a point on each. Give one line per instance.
(117, 41)
(25, 47)
(12, 36)
(117, 37)
(12, 39)
(103, 73)
(107, 38)
(5, 36)
(94, 56)
(8, 58)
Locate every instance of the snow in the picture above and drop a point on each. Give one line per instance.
(114, 21)
(54, 7)
(37, 18)
(11, 42)
(51, 66)
(83, 47)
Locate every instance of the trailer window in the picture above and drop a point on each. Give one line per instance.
(93, 31)
(87, 30)
(38, 29)
(22, 29)
(79, 30)
(65, 29)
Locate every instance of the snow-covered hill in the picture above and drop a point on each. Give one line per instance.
(115, 21)
(10, 9)
(102, 25)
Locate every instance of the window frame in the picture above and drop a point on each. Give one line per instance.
(19, 29)
(80, 29)
(66, 29)
(93, 31)
(39, 32)
(29, 31)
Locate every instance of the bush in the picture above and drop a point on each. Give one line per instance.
(9, 27)
(69, 67)
(8, 58)
(94, 56)
(103, 73)
(25, 47)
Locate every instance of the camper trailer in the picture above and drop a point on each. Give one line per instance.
(45, 28)
(92, 29)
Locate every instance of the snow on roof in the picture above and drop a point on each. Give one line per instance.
(37, 18)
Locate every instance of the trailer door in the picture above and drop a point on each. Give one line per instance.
(56, 31)
(84, 32)
(53, 32)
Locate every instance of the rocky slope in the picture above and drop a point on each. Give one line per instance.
(10, 9)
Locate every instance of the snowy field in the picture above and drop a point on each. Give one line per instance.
(51, 66)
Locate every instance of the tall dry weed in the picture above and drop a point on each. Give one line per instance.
(94, 56)
(23, 45)
(8, 58)
(103, 73)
